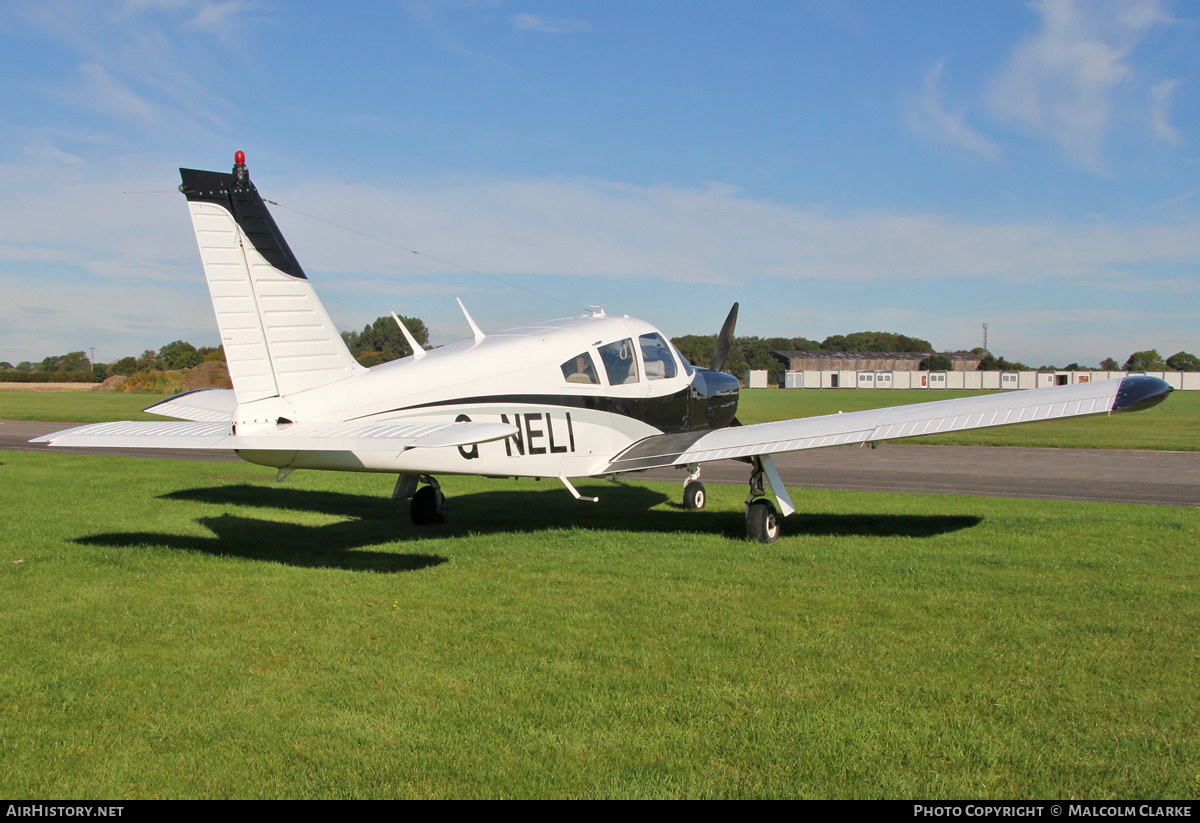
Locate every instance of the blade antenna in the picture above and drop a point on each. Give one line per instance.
(474, 329)
(724, 339)
(417, 351)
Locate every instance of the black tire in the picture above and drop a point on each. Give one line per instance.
(428, 507)
(762, 521)
(694, 495)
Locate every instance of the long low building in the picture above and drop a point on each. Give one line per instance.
(865, 360)
(979, 380)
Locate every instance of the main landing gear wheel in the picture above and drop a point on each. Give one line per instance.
(762, 521)
(694, 495)
(428, 506)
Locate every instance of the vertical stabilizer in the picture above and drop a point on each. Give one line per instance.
(277, 336)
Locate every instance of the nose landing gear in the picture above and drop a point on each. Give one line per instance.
(694, 495)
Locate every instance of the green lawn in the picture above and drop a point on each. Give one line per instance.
(1173, 425)
(78, 406)
(195, 630)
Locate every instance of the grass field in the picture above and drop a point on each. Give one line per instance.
(1173, 425)
(82, 407)
(194, 630)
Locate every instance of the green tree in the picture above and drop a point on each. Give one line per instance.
(1149, 360)
(149, 360)
(937, 362)
(1108, 364)
(70, 363)
(383, 341)
(179, 355)
(74, 362)
(875, 341)
(5, 365)
(125, 366)
(1183, 361)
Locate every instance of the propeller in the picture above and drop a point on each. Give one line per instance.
(721, 350)
(724, 339)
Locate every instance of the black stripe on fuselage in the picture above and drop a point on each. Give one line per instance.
(667, 414)
(241, 198)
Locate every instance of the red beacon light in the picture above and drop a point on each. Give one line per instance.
(239, 158)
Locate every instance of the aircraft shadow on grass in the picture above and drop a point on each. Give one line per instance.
(374, 521)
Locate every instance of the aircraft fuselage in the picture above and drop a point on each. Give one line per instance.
(577, 390)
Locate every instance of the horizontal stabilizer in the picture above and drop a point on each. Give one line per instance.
(960, 414)
(201, 405)
(285, 437)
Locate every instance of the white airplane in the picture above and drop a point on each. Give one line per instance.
(581, 397)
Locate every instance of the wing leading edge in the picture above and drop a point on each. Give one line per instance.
(960, 414)
(286, 437)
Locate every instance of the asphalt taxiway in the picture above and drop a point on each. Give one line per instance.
(1122, 476)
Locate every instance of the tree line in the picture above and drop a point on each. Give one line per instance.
(378, 342)
(382, 341)
(75, 367)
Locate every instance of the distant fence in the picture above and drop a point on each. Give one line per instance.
(980, 380)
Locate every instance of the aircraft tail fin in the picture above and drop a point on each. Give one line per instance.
(278, 338)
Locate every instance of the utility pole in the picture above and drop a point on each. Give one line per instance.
(985, 348)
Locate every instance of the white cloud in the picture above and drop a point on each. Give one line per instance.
(549, 25)
(1160, 111)
(101, 92)
(45, 150)
(138, 64)
(1063, 83)
(75, 242)
(221, 20)
(597, 229)
(927, 116)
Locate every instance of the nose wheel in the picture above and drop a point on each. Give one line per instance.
(428, 506)
(694, 495)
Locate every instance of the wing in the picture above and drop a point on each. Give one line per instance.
(1102, 397)
(201, 405)
(287, 437)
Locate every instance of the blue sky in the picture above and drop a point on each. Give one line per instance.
(834, 166)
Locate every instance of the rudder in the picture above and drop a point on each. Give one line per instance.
(278, 338)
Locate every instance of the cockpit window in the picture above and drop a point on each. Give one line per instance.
(619, 362)
(580, 369)
(687, 367)
(656, 354)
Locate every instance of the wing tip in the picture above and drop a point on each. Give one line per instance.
(1138, 392)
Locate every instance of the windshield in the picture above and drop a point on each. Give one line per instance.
(656, 354)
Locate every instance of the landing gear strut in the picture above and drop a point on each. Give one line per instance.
(694, 495)
(428, 504)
